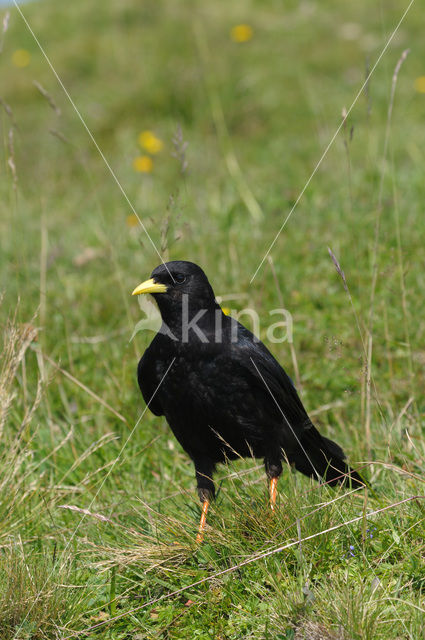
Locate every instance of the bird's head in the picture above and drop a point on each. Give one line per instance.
(176, 286)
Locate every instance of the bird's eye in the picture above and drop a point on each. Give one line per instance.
(179, 278)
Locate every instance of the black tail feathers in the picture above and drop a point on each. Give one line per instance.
(321, 458)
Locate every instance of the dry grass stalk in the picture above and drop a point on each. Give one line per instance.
(180, 147)
(11, 160)
(16, 341)
(48, 97)
(5, 26)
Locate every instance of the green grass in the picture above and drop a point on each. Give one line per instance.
(257, 117)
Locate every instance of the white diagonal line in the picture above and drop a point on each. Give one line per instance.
(322, 157)
(94, 497)
(92, 138)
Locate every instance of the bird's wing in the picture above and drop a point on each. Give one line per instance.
(241, 383)
(149, 377)
(254, 355)
(276, 399)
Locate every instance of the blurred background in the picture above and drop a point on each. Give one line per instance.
(206, 121)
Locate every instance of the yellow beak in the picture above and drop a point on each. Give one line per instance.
(149, 286)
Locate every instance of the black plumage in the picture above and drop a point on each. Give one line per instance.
(222, 392)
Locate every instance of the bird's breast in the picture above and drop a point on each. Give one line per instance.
(206, 410)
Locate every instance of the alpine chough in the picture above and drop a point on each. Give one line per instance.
(222, 392)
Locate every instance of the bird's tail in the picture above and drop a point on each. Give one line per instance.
(319, 456)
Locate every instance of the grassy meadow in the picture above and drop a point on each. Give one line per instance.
(98, 507)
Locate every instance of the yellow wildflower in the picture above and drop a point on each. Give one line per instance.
(226, 310)
(132, 220)
(143, 164)
(150, 142)
(241, 33)
(21, 58)
(420, 84)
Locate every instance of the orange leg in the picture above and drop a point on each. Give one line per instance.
(273, 492)
(203, 521)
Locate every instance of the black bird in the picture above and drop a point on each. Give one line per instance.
(222, 392)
